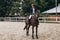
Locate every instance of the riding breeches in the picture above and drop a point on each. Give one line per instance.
(30, 16)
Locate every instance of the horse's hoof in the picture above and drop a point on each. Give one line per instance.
(27, 34)
(24, 28)
(32, 37)
(37, 37)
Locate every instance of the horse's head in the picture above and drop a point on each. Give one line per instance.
(36, 14)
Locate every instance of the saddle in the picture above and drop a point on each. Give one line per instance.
(37, 22)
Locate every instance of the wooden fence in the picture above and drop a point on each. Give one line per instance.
(22, 19)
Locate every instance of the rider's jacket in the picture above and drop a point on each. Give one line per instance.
(33, 10)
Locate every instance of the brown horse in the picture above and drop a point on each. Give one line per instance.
(34, 23)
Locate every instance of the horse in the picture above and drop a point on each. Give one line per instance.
(33, 23)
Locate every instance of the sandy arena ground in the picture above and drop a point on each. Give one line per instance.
(14, 31)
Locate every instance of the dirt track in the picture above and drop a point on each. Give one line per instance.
(14, 31)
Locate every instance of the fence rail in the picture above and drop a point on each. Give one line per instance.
(22, 19)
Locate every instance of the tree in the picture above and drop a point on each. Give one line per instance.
(4, 5)
(9, 6)
(12, 6)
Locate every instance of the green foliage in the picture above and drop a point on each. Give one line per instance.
(12, 6)
(4, 7)
(8, 6)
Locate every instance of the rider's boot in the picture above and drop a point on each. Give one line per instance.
(29, 21)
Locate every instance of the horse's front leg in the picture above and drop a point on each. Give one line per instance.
(33, 32)
(36, 32)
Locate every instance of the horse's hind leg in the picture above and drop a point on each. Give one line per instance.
(28, 27)
(32, 32)
(25, 27)
(36, 32)
(28, 30)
